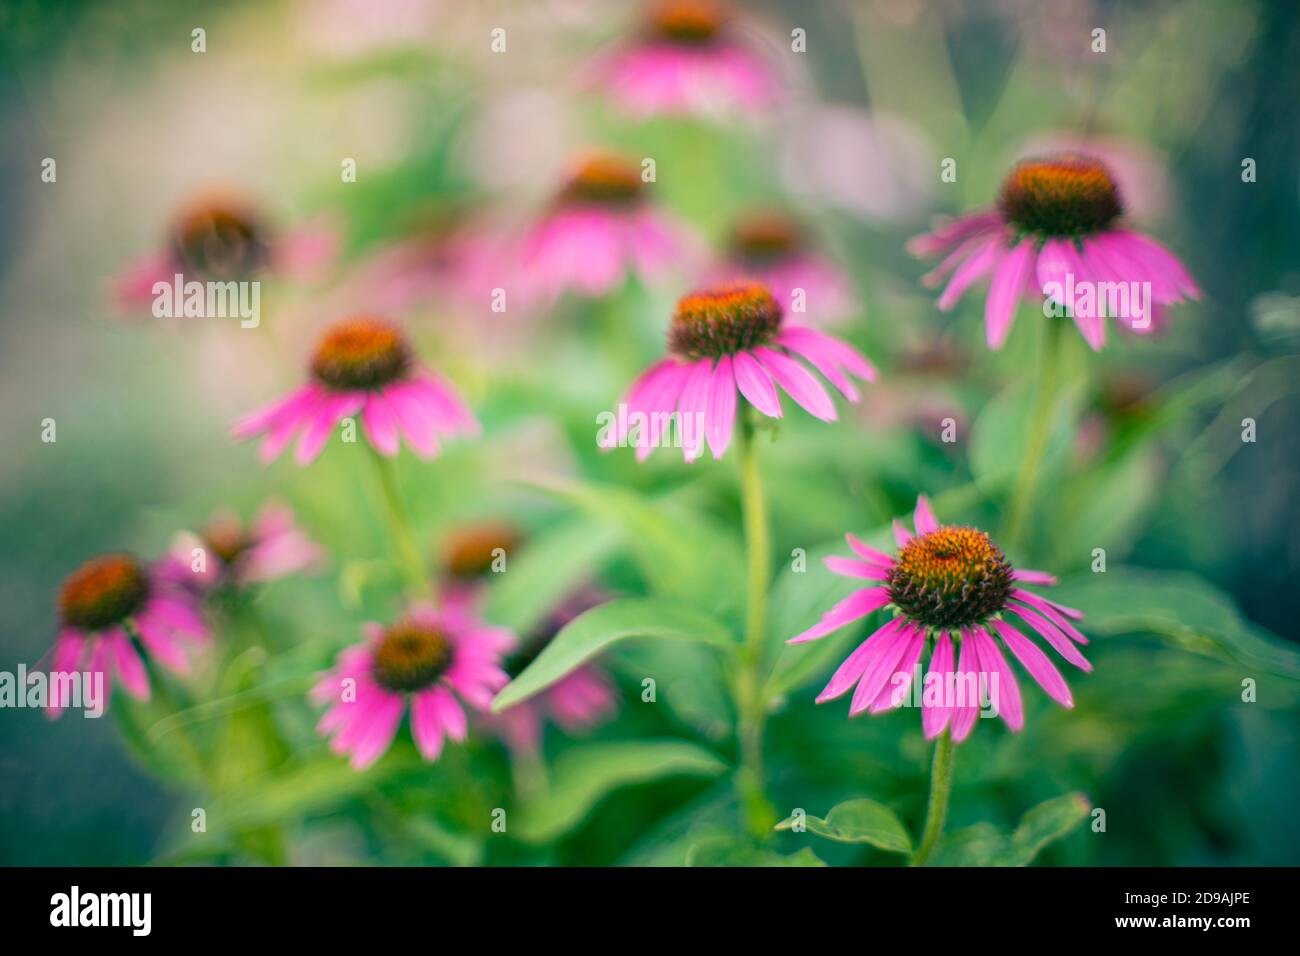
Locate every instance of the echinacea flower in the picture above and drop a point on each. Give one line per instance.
(362, 366)
(953, 592)
(600, 229)
(431, 660)
(772, 247)
(110, 609)
(727, 340)
(228, 552)
(220, 236)
(1056, 233)
(690, 57)
(583, 698)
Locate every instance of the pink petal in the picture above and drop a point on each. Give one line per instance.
(1007, 700)
(798, 383)
(856, 605)
(721, 415)
(934, 717)
(1035, 661)
(756, 385)
(1005, 290)
(923, 519)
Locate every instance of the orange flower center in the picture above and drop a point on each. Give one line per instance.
(361, 353)
(219, 240)
(688, 21)
(469, 552)
(950, 578)
(765, 237)
(410, 657)
(103, 592)
(1061, 196)
(225, 537)
(724, 320)
(605, 178)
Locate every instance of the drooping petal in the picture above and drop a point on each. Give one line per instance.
(692, 408)
(934, 716)
(1036, 663)
(967, 686)
(856, 605)
(895, 692)
(1059, 641)
(798, 382)
(756, 385)
(721, 415)
(1005, 291)
(850, 568)
(1005, 694)
(879, 670)
(851, 670)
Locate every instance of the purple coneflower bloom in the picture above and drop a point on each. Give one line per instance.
(952, 591)
(599, 229)
(728, 340)
(221, 236)
(108, 605)
(770, 246)
(430, 659)
(362, 366)
(689, 58)
(1056, 233)
(237, 554)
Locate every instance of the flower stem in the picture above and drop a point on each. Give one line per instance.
(750, 705)
(937, 808)
(1022, 500)
(399, 521)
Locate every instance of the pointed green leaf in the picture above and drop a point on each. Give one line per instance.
(859, 821)
(589, 633)
(585, 775)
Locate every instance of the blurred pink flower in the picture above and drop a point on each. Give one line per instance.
(874, 166)
(432, 660)
(951, 584)
(728, 340)
(690, 57)
(1054, 234)
(220, 236)
(770, 246)
(271, 547)
(599, 230)
(105, 607)
(362, 366)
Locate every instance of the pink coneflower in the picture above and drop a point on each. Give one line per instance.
(689, 58)
(951, 590)
(1056, 233)
(226, 551)
(221, 236)
(770, 246)
(362, 366)
(430, 658)
(726, 340)
(108, 605)
(599, 230)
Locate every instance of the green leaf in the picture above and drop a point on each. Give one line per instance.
(859, 821)
(592, 631)
(548, 568)
(681, 554)
(1181, 607)
(729, 851)
(584, 775)
(987, 845)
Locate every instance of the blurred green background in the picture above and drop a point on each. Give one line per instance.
(1200, 529)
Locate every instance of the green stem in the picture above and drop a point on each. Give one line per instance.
(750, 706)
(399, 522)
(1022, 500)
(937, 808)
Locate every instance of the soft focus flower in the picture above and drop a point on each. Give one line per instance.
(951, 590)
(272, 546)
(1055, 233)
(108, 605)
(583, 698)
(432, 659)
(770, 246)
(873, 165)
(725, 340)
(690, 57)
(219, 236)
(598, 230)
(362, 366)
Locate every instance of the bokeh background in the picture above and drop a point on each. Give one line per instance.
(1202, 531)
